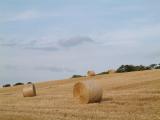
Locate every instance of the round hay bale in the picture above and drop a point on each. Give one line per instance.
(111, 71)
(87, 92)
(91, 73)
(29, 90)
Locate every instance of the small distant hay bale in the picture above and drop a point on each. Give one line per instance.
(87, 92)
(91, 73)
(29, 90)
(111, 71)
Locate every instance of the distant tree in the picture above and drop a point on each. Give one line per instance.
(129, 68)
(102, 73)
(148, 68)
(141, 67)
(76, 76)
(16, 84)
(7, 85)
(153, 66)
(126, 68)
(158, 66)
(29, 82)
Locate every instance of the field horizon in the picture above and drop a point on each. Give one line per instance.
(128, 96)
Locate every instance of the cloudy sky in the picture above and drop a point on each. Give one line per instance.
(54, 39)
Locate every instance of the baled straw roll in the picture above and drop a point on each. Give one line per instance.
(91, 73)
(87, 91)
(29, 90)
(111, 71)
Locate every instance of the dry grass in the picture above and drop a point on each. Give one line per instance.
(126, 96)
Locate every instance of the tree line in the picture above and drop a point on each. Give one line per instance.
(130, 68)
(127, 68)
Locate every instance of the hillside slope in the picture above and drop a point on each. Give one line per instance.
(126, 96)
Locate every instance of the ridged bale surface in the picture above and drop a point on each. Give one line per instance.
(29, 90)
(87, 92)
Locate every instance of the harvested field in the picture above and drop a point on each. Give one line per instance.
(126, 96)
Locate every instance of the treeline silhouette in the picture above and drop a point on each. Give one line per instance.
(127, 68)
(16, 84)
(130, 68)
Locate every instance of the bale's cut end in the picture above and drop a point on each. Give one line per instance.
(91, 73)
(87, 92)
(29, 90)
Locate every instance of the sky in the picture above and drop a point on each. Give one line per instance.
(43, 40)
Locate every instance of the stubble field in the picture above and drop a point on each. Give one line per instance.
(126, 96)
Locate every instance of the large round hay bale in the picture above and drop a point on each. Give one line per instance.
(29, 90)
(91, 73)
(87, 91)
